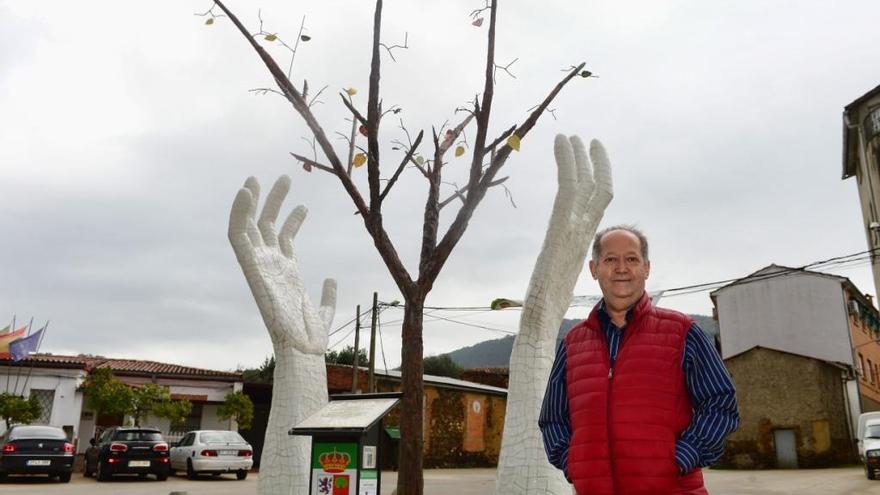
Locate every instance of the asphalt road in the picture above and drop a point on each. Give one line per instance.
(842, 481)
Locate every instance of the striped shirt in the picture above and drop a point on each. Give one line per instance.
(708, 383)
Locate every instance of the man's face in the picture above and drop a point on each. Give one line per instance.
(621, 269)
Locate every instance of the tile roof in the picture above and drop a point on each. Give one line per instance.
(125, 366)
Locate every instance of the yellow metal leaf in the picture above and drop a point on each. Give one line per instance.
(209, 21)
(359, 160)
(513, 142)
(420, 160)
(271, 37)
(459, 150)
(351, 91)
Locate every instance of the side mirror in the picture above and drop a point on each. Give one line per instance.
(92, 441)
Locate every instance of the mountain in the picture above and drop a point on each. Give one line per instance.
(496, 353)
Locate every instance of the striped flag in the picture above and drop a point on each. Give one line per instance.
(5, 330)
(8, 338)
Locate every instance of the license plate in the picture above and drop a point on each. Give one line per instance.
(228, 452)
(138, 463)
(39, 462)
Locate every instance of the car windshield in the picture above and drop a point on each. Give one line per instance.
(45, 432)
(137, 435)
(872, 431)
(221, 437)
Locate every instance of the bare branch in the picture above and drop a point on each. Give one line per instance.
(315, 98)
(459, 193)
(406, 159)
(302, 108)
(477, 12)
(374, 113)
(505, 68)
(404, 46)
(453, 134)
(485, 109)
(313, 163)
(357, 115)
(264, 91)
(502, 137)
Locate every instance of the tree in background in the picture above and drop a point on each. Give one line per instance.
(262, 374)
(239, 407)
(15, 409)
(442, 365)
(487, 157)
(346, 356)
(105, 394)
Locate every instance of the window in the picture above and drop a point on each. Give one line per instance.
(861, 369)
(192, 422)
(46, 398)
(871, 371)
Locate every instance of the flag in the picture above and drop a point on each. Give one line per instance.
(8, 338)
(5, 330)
(20, 348)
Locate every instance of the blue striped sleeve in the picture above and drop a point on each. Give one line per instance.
(554, 421)
(714, 401)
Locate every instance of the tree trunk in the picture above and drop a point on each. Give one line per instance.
(410, 481)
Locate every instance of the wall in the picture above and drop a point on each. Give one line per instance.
(813, 322)
(66, 402)
(864, 332)
(777, 390)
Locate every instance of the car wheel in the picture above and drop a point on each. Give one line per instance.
(2, 477)
(64, 477)
(101, 471)
(190, 472)
(87, 472)
(241, 474)
(162, 476)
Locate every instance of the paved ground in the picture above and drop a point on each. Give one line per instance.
(844, 481)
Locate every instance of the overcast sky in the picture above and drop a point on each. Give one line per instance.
(127, 128)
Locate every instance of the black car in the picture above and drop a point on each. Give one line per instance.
(127, 450)
(29, 449)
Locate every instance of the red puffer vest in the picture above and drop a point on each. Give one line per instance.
(625, 420)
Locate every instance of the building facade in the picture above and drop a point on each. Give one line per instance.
(861, 159)
(56, 381)
(797, 344)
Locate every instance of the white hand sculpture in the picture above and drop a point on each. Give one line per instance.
(584, 193)
(298, 331)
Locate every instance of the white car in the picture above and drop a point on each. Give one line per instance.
(212, 452)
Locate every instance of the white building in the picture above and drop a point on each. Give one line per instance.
(55, 380)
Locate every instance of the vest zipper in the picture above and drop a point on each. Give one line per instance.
(608, 426)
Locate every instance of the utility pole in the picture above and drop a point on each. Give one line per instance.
(357, 341)
(372, 373)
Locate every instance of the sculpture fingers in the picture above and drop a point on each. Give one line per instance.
(565, 161)
(604, 191)
(239, 219)
(586, 184)
(328, 302)
(290, 228)
(276, 196)
(253, 233)
(316, 333)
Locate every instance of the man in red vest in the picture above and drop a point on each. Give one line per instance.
(638, 399)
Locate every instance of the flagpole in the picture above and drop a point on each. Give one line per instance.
(17, 368)
(28, 377)
(9, 369)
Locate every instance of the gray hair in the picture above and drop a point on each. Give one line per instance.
(632, 229)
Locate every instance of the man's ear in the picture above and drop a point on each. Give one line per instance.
(647, 269)
(593, 270)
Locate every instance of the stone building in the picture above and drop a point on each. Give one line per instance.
(463, 420)
(797, 344)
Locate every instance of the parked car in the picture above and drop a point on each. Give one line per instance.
(127, 450)
(214, 452)
(35, 449)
